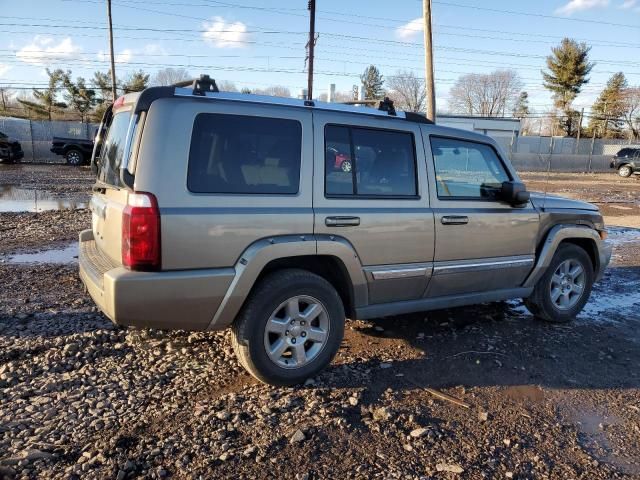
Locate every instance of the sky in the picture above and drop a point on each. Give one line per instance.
(258, 43)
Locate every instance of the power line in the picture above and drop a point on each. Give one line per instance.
(538, 15)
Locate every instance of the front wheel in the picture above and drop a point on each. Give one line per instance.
(74, 157)
(564, 289)
(290, 327)
(625, 171)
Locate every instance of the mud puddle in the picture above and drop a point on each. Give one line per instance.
(16, 199)
(64, 255)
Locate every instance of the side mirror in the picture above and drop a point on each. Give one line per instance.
(514, 193)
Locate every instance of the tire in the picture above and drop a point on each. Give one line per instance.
(625, 171)
(74, 157)
(268, 304)
(541, 302)
(346, 166)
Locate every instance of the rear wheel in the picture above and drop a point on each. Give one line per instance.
(74, 157)
(564, 288)
(290, 327)
(625, 171)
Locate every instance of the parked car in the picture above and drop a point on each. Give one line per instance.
(627, 162)
(10, 149)
(76, 151)
(228, 212)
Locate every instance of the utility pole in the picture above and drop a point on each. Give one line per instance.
(428, 61)
(113, 64)
(579, 130)
(311, 44)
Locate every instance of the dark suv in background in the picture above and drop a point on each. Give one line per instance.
(627, 162)
(10, 149)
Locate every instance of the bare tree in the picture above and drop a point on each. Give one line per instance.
(631, 115)
(407, 91)
(274, 91)
(5, 95)
(489, 95)
(170, 76)
(226, 86)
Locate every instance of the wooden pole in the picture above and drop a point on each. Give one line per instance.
(579, 131)
(312, 41)
(428, 61)
(114, 93)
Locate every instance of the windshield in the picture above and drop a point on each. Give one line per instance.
(113, 149)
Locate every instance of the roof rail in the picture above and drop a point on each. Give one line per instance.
(417, 117)
(200, 85)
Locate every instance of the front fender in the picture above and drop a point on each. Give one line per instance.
(560, 233)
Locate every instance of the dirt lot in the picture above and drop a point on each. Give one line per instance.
(80, 398)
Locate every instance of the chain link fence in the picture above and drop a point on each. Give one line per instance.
(35, 136)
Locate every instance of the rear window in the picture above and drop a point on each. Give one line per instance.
(113, 149)
(244, 155)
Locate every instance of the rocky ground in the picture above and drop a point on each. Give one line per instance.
(477, 392)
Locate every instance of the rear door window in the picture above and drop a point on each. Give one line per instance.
(112, 150)
(244, 155)
(370, 163)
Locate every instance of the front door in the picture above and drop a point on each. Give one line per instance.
(482, 243)
(370, 188)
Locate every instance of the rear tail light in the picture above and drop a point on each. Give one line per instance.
(141, 232)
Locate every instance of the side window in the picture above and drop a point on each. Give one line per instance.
(368, 162)
(242, 154)
(466, 170)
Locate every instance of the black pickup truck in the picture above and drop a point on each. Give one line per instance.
(627, 162)
(10, 149)
(76, 151)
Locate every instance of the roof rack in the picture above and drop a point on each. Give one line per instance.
(200, 85)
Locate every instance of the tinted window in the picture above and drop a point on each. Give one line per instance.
(241, 154)
(113, 149)
(367, 162)
(466, 169)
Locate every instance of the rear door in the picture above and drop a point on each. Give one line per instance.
(482, 243)
(370, 188)
(109, 193)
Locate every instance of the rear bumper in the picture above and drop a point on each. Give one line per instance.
(186, 299)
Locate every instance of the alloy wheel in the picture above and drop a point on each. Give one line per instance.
(296, 332)
(567, 284)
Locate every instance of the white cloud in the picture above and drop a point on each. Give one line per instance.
(223, 34)
(4, 68)
(43, 50)
(579, 5)
(123, 57)
(629, 4)
(410, 29)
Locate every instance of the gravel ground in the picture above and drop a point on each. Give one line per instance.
(81, 398)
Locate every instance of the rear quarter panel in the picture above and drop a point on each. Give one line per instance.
(212, 230)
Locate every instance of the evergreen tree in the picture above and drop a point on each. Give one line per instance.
(80, 98)
(136, 82)
(372, 82)
(46, 100)
(521, 108)
(568, 67)
(609, 109)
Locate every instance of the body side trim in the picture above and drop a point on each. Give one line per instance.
(442, 268)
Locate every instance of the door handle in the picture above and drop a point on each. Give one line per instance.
(342, 221)
(454, 220)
